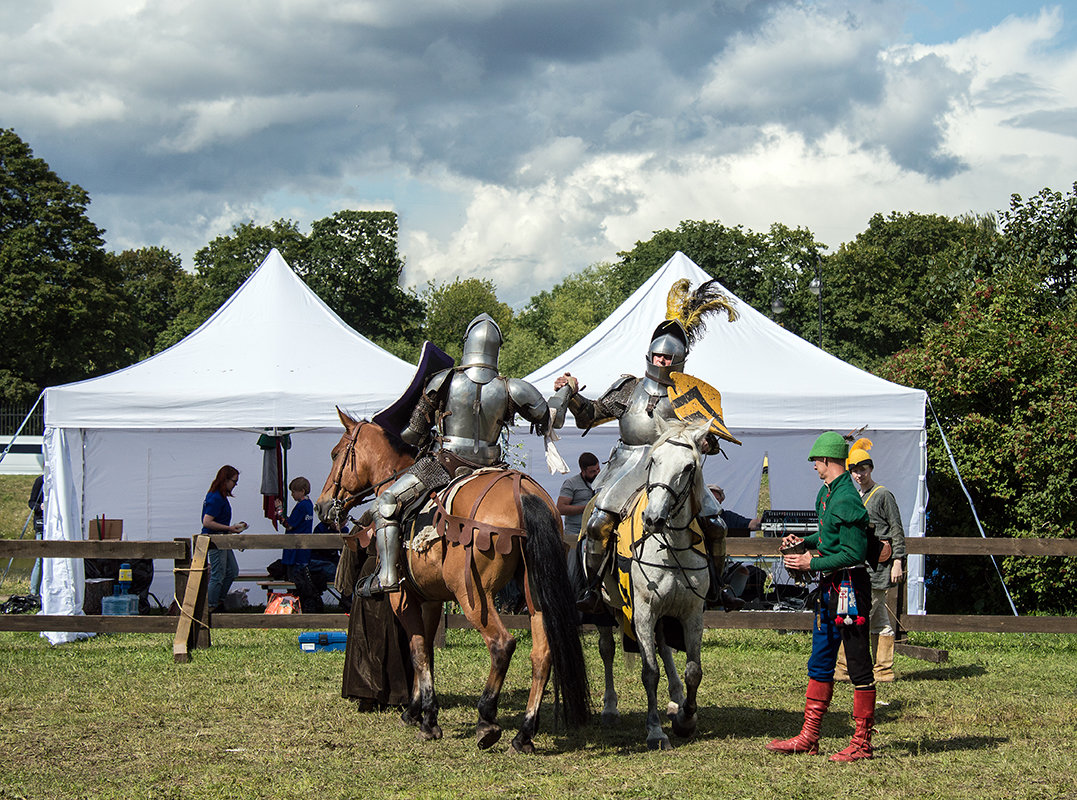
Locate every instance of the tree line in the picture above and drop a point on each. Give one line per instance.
(979, 311)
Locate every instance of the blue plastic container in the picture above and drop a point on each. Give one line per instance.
(318, 641)
(120, 605)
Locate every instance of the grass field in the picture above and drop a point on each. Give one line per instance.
(254, 717)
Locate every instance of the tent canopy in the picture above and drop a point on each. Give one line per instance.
(769, 378)
(273, 355)
(142, 444)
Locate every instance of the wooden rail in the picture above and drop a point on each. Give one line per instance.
(192, 628)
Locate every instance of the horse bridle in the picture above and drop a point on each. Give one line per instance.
(340, 508)
(679, 498)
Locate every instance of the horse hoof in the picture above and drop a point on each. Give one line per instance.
(661, 743)
(430, 734)
(487, 735)
(408, 719)
(672, 709)
(610, 718)
(527, 748)
(684, 727)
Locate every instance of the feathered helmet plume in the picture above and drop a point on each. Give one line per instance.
(858, 450)
(690, 308)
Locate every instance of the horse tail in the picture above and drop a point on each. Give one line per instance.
(545, 558)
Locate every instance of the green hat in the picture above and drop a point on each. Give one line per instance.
(829, 445)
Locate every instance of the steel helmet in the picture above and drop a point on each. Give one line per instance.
(482, 343)
(668, 339)
(829, 445)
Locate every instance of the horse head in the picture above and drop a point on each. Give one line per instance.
(674, 478)
(365, 459)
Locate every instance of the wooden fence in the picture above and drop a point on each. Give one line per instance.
(193, 626)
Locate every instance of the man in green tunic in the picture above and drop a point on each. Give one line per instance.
(843, 604)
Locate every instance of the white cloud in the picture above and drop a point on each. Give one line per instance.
(524, 140)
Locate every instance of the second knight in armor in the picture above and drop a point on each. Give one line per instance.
(637, 404)
(457, 425)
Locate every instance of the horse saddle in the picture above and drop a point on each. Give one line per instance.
(436, 520)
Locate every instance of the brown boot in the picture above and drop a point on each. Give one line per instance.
(817, 700)
(884, 660)
(841, 668)
(864, 717)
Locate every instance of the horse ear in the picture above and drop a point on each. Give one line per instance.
(345, 420)
(700, 431)
(662, 426)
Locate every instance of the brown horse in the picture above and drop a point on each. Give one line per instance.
(366, 460)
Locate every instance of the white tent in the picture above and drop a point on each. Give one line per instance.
(779, 393)
(142, 444)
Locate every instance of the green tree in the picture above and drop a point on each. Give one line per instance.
(223, 265)
(451, 306)
(556, 319)
(1043, 231)
(61, 308)
(354, 266)
(1002, 376)
(901, 274)
(151, 278)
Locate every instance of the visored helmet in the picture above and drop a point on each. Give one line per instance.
(668, 339)
(482, 344)
(829, 445)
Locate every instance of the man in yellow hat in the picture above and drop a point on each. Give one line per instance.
(884, 515)
(842, 604)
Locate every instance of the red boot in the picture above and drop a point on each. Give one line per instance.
(864, 717)
(815, 705)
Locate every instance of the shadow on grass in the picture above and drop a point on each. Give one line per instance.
(943, 673)
(958, 743)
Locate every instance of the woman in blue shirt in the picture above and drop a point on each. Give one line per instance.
(216, 519)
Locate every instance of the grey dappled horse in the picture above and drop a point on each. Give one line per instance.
(669, 579)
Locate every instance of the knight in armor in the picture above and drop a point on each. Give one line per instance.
(456, 425)
(637, 404)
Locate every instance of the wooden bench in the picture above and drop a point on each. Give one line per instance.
(270, 585)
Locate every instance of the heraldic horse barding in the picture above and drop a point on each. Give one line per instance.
(489, 527)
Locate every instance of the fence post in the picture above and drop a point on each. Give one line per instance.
(192, 630)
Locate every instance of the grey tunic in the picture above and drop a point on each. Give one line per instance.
(884, 515)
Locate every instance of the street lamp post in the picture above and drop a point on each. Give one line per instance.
(816, 288)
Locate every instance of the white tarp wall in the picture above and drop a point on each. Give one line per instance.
(779, 393)
(143, 444)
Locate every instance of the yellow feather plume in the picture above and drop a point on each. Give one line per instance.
(690, 308)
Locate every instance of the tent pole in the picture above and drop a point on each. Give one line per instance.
(972, 506)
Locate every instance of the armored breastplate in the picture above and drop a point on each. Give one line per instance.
(477, 413)
(638, 426)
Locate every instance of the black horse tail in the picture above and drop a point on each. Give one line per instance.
(545, 557)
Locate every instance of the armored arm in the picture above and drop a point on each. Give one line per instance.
(610, 405)
(529, 403)
(425, 413)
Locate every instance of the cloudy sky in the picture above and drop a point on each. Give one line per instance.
(521, 140)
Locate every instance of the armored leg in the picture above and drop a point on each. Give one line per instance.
(389, 509)
(599, 529)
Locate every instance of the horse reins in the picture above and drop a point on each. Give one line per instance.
(339, 508)
(679, 499)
